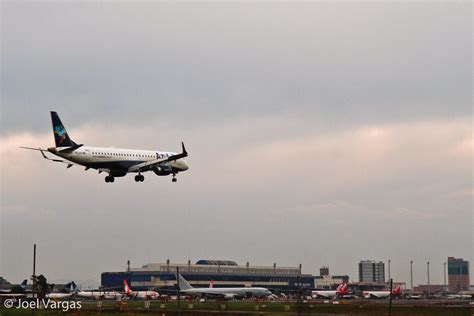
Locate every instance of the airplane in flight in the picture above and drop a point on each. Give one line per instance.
(114, 161)
(144, 295)
(340, 291)
(228, 292)
(382, 294)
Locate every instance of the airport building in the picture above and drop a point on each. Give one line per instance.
(429, 289)
(458, 275)
(371, 271)
(327, 281)
(221, 273)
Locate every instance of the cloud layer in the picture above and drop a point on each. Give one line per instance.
(393, 190)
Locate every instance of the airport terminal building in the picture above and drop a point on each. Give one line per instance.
(221, 273)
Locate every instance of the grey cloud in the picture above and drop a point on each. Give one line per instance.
(200, 63)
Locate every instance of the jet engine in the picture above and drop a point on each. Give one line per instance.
(115, 173)
(163, 170)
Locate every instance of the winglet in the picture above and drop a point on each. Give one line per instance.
(184, 149)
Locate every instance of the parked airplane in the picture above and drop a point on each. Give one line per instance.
(229, 292)
(96, 294)
(382, 294)
(114, 161)
(58, 295)
(460, 296)
(66, 292)
(9, 293)
(340, 291)
(144, 295)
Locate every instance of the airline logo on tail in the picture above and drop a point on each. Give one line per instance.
(126, 288)
(397, 291)
(342, 289)
(61, 132)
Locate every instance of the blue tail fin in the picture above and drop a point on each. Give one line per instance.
(23, 284)
(60, 135)
(71, 287)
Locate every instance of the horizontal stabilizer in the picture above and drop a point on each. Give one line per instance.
(31, 148)
(42, 151)
(72, 148)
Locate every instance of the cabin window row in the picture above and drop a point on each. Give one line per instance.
(123, 155)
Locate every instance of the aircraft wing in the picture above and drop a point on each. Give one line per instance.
(148, 165)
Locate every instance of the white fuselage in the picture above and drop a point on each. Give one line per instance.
(144, 295)
(58, 296)
(324, 294)
(109, 158)
(230, 291)
(99, 294)
(376, 294)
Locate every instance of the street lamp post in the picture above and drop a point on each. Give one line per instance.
(428, 273)
(411, 276)
(389, 276)
(445, 287)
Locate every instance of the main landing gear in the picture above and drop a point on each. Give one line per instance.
(109, 179)
(139, 178)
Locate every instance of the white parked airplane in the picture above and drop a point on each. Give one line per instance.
(66, 292)
(340, 291)
(383, 294)
(96, 294)
(58, 295)
(143, 295)
(229, 292)
(99, 295)
(114, 161)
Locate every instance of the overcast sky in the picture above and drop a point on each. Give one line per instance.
(319, 133)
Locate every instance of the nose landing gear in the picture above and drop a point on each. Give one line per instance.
(139, 178)
(174, 178)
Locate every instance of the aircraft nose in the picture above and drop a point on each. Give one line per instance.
(185, 165)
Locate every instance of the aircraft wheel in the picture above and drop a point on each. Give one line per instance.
(142, 178)
(107, 179)
(112, 179)
(137, 178)
(174, 179)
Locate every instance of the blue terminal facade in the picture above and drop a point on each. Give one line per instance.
(221, 273)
